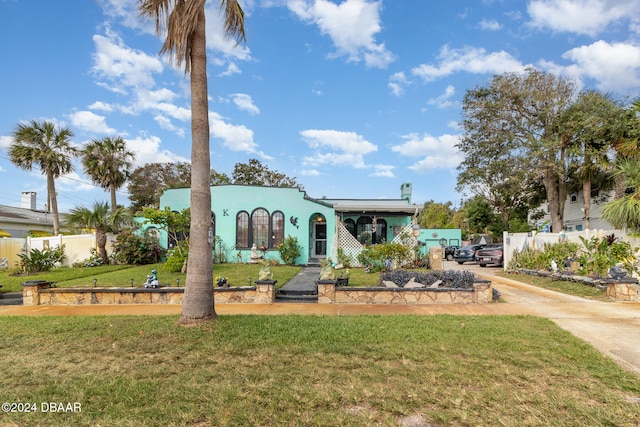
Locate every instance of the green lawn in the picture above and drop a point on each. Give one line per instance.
(121, 275)
(570, 288)
(310, 370)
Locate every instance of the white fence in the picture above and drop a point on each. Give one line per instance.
(519, 241)
(77, 247)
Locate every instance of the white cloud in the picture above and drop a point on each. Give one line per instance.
(348, 148)
(91, 122)
(437, 153)
(165, 123)
(245, 103)
(489, 25)
(468, 59)
(383, 171)
(120, 67)
(101, 106)
(234, 137)
(615, 66)
(232, 69)
(352, 26)
(5, 141)
(397, 81)
(582, 16)
(444, 101)
(147, 150)
(310, 172)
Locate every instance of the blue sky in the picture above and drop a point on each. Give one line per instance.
(351, 97)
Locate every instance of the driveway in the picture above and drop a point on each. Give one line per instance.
(611, 327)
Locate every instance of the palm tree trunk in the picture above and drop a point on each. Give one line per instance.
(198, 304)
(101, 243)
(53, 203)
(114, 205)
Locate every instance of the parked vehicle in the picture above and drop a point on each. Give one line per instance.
(492, 254)
(449, 252)
(466, 253)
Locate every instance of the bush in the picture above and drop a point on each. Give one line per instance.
(94, 260)
(289, 250)
(41, 260)
(385, 256)
(131, 248)
(176, 257)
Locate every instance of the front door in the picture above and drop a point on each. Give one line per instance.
(320, 239)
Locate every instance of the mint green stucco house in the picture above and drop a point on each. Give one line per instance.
(261, 217)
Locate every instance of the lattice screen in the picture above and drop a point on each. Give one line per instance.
(352, 248)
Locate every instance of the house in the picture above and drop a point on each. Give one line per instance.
(245, 217)
(574, 217)
(18, 222)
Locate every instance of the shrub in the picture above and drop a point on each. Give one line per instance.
(289, 250)
(131, 248)
(41, 260)
(220, 251)
(176, 257)
(385, 256)
(94, 260)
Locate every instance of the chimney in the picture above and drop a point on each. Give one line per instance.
(405, 191)
(28, 200)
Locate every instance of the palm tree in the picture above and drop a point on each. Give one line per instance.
(107, 162)
(101, 220)
(184, 23)
(625, 211)
(42, 144)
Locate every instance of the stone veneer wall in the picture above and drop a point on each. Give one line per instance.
(623, 291)
(328, 293)
(43, 294)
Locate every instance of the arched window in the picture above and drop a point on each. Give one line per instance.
(350, 225)
(380, 235)
(242, 229)
(260, 228)
(364, 230)
(277, 228)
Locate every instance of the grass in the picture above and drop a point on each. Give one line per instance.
(311, 370)
(570, 288)
(121, 275)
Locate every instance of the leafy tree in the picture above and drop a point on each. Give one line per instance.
(147, 182)
(176, 223)
(41, 143)
(138, 249)
(436, 215)
(513, 125)
(102, 220)
(107, 162)
(255, 173)
(184, 24)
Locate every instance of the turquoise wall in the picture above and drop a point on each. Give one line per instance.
(431, 237)
(228, 200)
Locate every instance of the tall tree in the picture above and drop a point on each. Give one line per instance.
(515, 119)
(101, 220)
(183, 21)
(107, 162)
(255, 173)
(436, 215)
(41, 143)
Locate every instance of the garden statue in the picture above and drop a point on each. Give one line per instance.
(255, 256)
(152, 280)
(265, 272)
(617, 272)
(327, 273)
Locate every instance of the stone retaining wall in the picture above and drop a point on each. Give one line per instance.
(623, 291)
(41, 293)
(328, 293)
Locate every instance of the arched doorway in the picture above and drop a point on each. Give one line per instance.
(318, 231)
